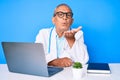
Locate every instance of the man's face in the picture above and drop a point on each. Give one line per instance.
(63, 18)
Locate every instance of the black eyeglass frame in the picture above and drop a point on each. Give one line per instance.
(66, 13)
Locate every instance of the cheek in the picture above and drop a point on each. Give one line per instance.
(57, 21)
(70, 22)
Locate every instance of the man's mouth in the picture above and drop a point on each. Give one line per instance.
(64, 23)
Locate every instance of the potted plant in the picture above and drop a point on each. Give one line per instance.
(77, 65)
(77, 70)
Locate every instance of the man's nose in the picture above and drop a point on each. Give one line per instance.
(65, 17)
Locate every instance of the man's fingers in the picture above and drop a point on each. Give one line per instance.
(66, 64)
(76, 30)
(68, 33)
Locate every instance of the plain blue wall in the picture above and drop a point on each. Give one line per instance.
(20, 21)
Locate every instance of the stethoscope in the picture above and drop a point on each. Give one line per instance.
(50, 38)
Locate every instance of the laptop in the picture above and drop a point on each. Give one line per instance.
(27, 58)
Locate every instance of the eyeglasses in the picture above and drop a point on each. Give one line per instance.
(61, 14)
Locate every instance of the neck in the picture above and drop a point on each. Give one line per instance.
(59, 33)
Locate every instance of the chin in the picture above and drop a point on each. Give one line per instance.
(64, 28)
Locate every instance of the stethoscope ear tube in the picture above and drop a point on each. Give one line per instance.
(50, 40)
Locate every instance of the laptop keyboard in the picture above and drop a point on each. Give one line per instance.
(53, 70)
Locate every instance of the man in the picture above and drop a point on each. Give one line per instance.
(62, 45)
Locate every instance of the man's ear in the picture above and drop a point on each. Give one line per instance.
(53, 20)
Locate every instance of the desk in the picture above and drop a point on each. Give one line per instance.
(66, 74)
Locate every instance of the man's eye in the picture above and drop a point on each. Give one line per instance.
(60, 14)
(69, 15)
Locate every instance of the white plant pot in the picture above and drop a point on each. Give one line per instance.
(77, 73)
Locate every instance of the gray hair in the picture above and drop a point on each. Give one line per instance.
(63, 4)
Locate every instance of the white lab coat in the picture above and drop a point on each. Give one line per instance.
(78, 52)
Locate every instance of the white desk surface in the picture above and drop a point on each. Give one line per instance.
(66, 74)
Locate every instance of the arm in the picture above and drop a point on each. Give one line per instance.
(61, 62)
(78, 50)
(76, 53)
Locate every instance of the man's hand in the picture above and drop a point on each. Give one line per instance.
(61, 62)
(70, 36)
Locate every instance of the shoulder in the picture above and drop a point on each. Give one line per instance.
(42, 34)
(44, 31)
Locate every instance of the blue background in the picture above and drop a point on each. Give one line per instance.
(20, 21)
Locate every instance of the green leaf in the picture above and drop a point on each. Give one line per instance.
(77, 65)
